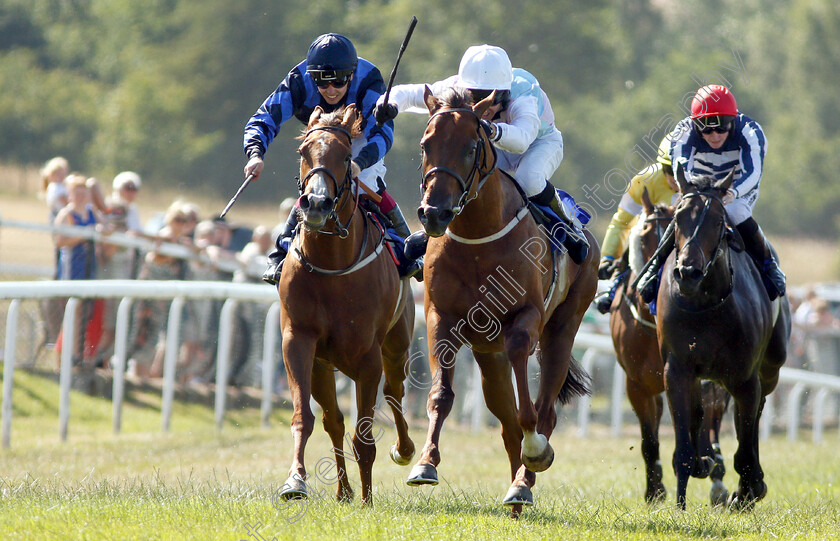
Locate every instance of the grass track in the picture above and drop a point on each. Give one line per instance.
(196, 484)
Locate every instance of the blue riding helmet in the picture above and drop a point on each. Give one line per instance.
(331, 56)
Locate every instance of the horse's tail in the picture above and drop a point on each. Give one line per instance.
(578, 383)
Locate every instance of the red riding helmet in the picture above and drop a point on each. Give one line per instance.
(713, 100)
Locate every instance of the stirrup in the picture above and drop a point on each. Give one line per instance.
(272, 272)
(414, 270)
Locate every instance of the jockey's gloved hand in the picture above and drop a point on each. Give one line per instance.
(728, 197)
(606, 268)
(383, 112)
(491, 128)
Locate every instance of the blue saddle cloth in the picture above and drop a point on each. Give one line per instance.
(556, 226)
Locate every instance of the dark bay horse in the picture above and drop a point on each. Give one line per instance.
(343, 306)
(488, 279)
(715, 321)
(633, 331)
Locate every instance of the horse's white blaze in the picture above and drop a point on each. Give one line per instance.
(533, 443)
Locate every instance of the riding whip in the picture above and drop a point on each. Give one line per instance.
(399, 56)
(241, 189)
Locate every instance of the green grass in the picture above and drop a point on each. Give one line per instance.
(195, 483)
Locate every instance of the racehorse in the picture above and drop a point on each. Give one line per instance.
(488, 284)
(715, 321)
(633, 331)
(343, 306)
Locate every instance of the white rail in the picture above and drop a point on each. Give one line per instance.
(594, 345)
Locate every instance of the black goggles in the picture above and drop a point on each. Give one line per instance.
(338, 79)
(717, 124)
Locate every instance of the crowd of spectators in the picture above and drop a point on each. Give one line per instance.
(76, 200)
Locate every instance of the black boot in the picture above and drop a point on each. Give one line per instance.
(604, 303)
(649, 281)
(275, 258)
(756, 245)
(575, 243)
(398, 223)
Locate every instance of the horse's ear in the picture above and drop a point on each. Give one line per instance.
(316, 114)
(432, 102)
(681, 181)
(726, 183)
(350, 115)
(646, 202)
(482, 106)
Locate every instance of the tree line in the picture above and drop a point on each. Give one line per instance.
(164, 87)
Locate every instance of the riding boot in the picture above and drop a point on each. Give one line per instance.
(649, 281)
(575, 243)
(756, 245)
(276, 258)
(398, 223)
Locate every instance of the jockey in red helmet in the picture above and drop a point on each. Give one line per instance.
(711, 141)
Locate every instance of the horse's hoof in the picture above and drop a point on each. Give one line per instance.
(718, 494)
(293, 489)
(656, 494)
(703, 467)
(518, 495)
(539, 463)
(398, 458)
(422, 474)
(738, 501)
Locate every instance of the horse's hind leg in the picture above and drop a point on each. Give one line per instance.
(648, 409)
(323, 391)
(364, 440)
(748, 406)
(395, 362)
(500, 400)
(298, 355)
(715, 401)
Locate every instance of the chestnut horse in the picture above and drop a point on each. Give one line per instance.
(715, 321)
(488, 279)
(343, 306)
(633, 331)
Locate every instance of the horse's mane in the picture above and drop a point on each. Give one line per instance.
(455, 98)
(336, 118)
(703, 183)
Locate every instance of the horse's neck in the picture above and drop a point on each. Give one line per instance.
(494, 206)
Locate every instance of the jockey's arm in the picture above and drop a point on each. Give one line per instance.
(753, 148)
(517, 135)
(615, 240)
(409, 98)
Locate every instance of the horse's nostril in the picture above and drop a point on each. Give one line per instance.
(304, 204)
(421, 213)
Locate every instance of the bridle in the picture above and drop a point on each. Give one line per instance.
(342, 230)
(709, 197)
(479, 168)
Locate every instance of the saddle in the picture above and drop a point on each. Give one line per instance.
(393, 241)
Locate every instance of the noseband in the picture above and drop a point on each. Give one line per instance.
(722, 233)
(477, 171)
(342, 229)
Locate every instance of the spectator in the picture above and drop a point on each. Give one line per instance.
(822, 330)
(197, 350)
(150, 315)
(254, 256)
(118, 262)
(54, 193)
(77, 257)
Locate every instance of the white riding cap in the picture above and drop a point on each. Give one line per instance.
(485, 67)
(127, 177)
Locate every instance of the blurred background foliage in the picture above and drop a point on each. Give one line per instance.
(164, 87)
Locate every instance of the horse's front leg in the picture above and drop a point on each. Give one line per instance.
(323, 391)
(442, 351)
(520, 340)
(748, 406)
(298, 356)
(678, 381)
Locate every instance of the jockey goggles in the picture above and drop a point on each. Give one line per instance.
(717, 124)
(480, 94)
(338, 79)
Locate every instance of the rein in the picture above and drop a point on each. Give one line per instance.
(476, 171)
(342, 229)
